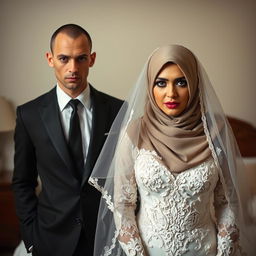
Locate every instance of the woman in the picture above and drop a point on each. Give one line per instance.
(174, 183)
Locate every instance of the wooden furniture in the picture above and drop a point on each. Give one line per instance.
(9, 226)
(245, 135)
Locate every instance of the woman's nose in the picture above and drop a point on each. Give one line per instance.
(171, 91)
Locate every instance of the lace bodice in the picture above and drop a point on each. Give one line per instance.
(175, 209)
(178, 213)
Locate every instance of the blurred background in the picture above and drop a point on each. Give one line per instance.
(124, 33)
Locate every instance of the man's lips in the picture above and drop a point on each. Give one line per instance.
(72, 78)
(171, 105)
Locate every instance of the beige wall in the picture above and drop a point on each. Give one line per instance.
(220, 32)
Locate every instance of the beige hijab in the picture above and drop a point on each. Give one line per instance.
(180, 141)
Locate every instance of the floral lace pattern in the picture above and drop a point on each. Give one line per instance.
(179, 212)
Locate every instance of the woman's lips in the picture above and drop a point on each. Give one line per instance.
(171, 105)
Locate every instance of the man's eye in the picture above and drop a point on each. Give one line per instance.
(63, 59)
(82, 58)
(160, 83)
(182, 82)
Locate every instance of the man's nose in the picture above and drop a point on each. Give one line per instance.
(73, 66)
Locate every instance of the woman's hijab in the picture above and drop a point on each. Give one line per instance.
(180, 141)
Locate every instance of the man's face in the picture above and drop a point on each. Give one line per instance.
(71, 59)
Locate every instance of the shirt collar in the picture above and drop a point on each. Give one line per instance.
(83, 97)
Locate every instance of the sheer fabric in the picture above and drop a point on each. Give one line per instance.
(123, 171)
(176, 215)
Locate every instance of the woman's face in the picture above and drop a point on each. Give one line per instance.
(170, 90)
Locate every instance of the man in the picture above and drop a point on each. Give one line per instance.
(62, 219)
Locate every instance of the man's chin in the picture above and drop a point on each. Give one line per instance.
(72, 86)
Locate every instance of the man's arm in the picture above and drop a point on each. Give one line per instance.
(24, 179)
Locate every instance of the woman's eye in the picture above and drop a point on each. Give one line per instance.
(182, 82)
(160, 83)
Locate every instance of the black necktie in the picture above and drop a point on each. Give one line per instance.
(75, 139)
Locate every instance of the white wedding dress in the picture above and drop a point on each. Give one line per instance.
(180, 213)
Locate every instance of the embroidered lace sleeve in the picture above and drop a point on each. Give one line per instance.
(228, 233)
(125, 198)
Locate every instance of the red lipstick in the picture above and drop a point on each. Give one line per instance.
(171, 105)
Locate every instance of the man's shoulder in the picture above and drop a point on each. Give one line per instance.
(38, 100)
(106, 97)
(111, 98)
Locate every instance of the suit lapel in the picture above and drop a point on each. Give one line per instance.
(49, 112)
(99, 124)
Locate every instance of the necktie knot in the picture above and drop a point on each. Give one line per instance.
(74, 103)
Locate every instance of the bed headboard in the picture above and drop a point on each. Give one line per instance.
(245, 135)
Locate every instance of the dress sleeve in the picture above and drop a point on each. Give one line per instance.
(227, 231)
(125, 200)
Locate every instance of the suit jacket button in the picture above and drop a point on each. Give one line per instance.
(78, 221)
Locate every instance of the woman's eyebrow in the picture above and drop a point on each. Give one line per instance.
(165, 79)
(162, 79)
(179, 78)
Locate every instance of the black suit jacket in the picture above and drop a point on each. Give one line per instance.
(52, 222)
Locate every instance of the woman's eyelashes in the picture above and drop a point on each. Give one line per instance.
(161, 82)
(181, 82)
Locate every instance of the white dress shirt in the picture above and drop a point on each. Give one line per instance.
(84, 111)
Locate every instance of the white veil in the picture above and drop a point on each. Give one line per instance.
(221, 143)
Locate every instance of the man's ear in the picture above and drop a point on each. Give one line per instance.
(92, 59)
(49, 58)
